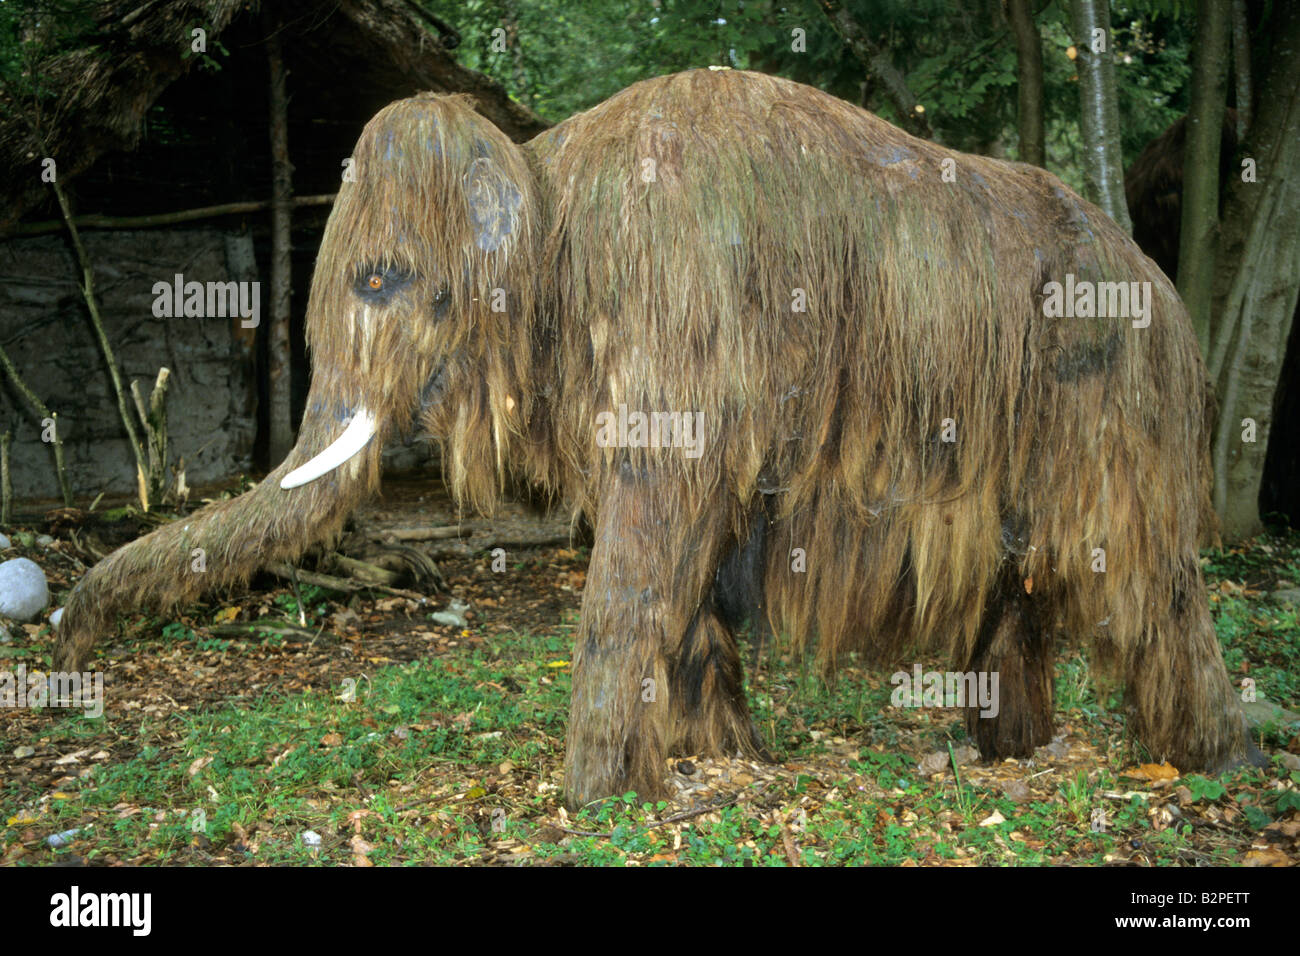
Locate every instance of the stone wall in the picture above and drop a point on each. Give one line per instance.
(46, 331)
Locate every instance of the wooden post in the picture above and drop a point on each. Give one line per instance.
(6, 482)
(153, 417)
(278, 354)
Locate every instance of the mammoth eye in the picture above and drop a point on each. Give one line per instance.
(380, 284)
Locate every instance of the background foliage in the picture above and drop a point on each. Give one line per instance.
(957, 56)
(562, 56)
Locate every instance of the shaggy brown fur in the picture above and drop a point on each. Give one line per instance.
(1153, 188)
(668, 286)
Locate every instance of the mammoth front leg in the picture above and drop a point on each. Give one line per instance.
(1014, 644)
(651, 566)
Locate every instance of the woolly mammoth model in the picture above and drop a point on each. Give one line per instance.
(793, 364)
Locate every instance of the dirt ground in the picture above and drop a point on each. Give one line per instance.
(542, 597)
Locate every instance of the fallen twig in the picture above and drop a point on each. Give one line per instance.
(417, 534)
(675, 818)
(342, 584)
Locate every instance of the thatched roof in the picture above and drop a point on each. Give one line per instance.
(366, 52)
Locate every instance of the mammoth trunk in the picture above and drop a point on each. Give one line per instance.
(333, 466)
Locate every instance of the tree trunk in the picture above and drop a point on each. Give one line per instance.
(1029, 71)
(1241, 67)
(1257, 282)
(279, 368)
(1199, 232)
(1104, 164)
(153, 418)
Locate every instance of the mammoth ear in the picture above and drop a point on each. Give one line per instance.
(494, 203)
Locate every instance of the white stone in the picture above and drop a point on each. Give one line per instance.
(23, 591)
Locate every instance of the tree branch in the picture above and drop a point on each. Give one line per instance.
(163, 218)
(42, 413)
(92, 305)
(911, 114)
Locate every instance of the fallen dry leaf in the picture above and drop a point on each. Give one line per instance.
(360, 851)
(1268, 856)
(198, 764)
(1017, 790)
(225, 615)
(1153, 771)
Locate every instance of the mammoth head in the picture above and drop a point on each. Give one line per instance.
(422, 301)
(421, 310)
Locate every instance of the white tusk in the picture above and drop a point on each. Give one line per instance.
(354, 438)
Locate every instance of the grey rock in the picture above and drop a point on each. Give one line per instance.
(1287, 596)
(453, 616)
(1058, 749)
(936, 762)
(1018, 791)
(23, 591)
(1261, 712)
(59, 840)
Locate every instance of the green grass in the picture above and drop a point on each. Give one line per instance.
(298, 762)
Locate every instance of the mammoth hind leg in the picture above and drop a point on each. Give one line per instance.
(1014, 644)
(1182, 706)
(711, 715)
